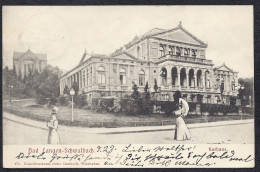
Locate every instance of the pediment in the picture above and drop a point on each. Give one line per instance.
(224, 68)
(179, 35)
(124, 56)
(29, 57)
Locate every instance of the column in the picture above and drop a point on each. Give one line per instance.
(226, 83)
(195, 78)
(169, 74)
(203, 79)
(179, 77)
(128, 76)
(80, 80)
(187, 77)
(117, 75)
(159, 79)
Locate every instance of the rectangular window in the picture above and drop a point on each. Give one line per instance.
(101, 78)
(143, 50)
(141, 80)
(154, 50)
(122, 79)
(202, 54)
(84, 80)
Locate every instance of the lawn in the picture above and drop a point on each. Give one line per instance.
(88, 118)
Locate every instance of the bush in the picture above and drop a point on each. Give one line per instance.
(63, 100)
(40, 99)
(95, 103)
(80, 100)
(216, 108)
(106, 104)
(192, 106)
(53, 101)
(168, 107)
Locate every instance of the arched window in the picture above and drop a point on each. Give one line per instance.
(174, 76)
(141, 78)
(183, 77)
(207, 79)
(163, 75)
(122, 76)
(101, 75)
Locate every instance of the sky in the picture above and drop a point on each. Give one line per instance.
(64, 32)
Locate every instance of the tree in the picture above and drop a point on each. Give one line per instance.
(135, 95)
(155, 87)
(146, 87)
(66, 90)
(20, 75)
(147, 106)
(75, 86)
(248, 91)
(136, 100)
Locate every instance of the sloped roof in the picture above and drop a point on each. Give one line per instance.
(29, 54)
(124, 55)
(178, 34)
(152, 32)
(223, 67)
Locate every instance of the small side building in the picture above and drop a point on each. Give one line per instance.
(25, 62)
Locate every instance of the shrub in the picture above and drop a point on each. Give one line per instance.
(106, 104)
(40, 99)
(53, 101)
(80, 100)
(192, 106)
(63, 100)
(216, 108)
(168, 107)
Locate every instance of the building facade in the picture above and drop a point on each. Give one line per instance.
(174, 59)
(25, 62)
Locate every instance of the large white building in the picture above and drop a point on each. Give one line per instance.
(174, 58)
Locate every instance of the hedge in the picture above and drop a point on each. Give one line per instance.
(215, 108)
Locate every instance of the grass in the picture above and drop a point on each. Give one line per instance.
(86, 118)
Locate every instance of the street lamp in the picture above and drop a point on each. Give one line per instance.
(72, 93)
(10, 86)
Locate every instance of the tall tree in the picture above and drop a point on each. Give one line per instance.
(66, 90)
(155, 87)
(146, 87)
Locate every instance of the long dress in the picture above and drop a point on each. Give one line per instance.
(181, 131)
(53, 137)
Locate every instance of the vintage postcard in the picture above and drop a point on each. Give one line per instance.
(128, 87)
